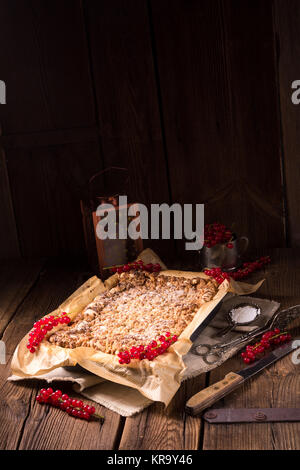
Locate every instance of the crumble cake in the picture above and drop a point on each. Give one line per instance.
(138, 309)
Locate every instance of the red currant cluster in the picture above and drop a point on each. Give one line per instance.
(250, 267)
(241, 273)
(215, 234)
(41, 328)
(137, 265)
(150, 352)
(268, 339)
(72, 406)
(217, 274)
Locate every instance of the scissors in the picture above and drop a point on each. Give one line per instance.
(211, 353)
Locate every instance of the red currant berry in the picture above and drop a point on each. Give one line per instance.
(251, 355)
(92, 410)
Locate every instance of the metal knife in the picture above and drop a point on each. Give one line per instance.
(231, 381)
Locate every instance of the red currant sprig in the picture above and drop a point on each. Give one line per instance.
(72, 406)
(216, 234)
(41, 328)
(136, 266)
(250, 267)
(217, 274)
(241, 273)
(268, 339)
(150, 352)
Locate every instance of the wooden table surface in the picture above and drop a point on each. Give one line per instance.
(29, 290)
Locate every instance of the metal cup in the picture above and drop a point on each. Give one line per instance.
(219, 256)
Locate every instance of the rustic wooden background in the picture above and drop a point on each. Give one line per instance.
(193, 96)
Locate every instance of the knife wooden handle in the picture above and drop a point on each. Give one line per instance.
(208, 396)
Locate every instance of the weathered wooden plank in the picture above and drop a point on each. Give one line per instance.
(241, 436)
(164, 429)
(14, 409)
(16, 280)
(127, 101)
(287, 23)
(49, 96)
(223, 146)
(277, 386)
(50, 138)
(46, 70)
(284, 282)
(47, 186)
(9, 244)
(51, 429)
(25, 424)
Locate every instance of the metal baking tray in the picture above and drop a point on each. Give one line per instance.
(206, 322)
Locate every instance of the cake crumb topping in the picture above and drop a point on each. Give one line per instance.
(135, 311)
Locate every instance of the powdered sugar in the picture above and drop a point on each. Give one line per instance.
(244, 314)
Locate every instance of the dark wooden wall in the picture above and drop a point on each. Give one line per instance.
(193, 96)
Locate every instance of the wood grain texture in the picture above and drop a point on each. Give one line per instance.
(282, 281)
(223, 146)
(16, 279)
(287, 23)
(127, 101)
(49, 96)
(276, 386)
(181, 93)
(9, 243)
(50, 138)
(47, 186)
(50, 429)
(44, 66)
(158, 428)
